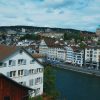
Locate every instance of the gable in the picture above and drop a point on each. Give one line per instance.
(22, 54)
(43, 43)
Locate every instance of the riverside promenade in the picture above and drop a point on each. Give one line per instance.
(79, 69)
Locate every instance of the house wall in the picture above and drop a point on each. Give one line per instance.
(7, 88)
(78, 58)
(69, 55)
(52, 52)
(28, 77)
(92, 57)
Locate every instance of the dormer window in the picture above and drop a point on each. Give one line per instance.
(21, 61)
(12, 62)
(32, 61)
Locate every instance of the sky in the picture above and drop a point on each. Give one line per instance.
(75, 14)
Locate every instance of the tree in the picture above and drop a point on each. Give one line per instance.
(49, 83)
(30, 37)
(82, 45)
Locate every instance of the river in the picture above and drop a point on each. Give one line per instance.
(77, 86)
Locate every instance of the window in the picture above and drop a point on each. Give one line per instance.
(12, 62)
(4, 64)
(22, 83)
(21, 61)
(87, 55)
(40, 70)
(1, 63)
(31, 82)
(32, 61)
(20, 72)
(94, 55)
(38, 80)
(12, 73)
(88, 52)
(24, 62)
(95, 52)
(31, 71)
(26, 72)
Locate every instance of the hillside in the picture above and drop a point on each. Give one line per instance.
(32, 29)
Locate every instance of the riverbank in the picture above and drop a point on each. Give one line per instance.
(79, 69)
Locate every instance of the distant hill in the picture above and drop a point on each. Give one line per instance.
(33, 29)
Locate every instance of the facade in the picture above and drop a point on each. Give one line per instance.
(69, 54)
(74, 55)
(53, 49)
(24, 43)
(11, 90)
(20, 66)
(92, 57)
(31, 49)
(79, 57)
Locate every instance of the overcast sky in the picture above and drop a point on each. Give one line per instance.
(76, 14)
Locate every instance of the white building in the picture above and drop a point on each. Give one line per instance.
(53, 49)
(74, 55)
(69, 54)
(24, 43)
(92, 57)
(79, 57)
(20, 66)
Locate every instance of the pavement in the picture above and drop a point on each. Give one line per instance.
(79, 69)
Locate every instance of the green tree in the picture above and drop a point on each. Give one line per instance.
(75, 35)
(49, 83)
(82, 45)
(30, 37)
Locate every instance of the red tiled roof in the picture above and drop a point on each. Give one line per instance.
(75, 48)
(38, 55)
(6, 51)
(54, 43)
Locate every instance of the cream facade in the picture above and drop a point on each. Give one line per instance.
(24, 69)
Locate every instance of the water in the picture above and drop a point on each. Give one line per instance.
(77, 86)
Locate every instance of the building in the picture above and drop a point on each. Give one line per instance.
(24, 43)
(11, 90)
(92, 57)
(79, 57)
(98, 32)
(74, 55)
(52, 35)
(31, 48)
(69, 54)
(53, 49)
(19, 65)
